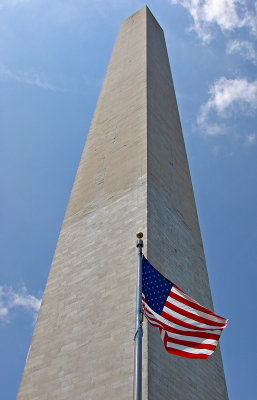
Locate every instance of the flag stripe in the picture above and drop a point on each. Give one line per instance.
(185, 353)
(192, 339)
(183, 321)
(195, 304)
(189, 349)
(182, 347)
(192, 345)
(172, 342)
(182, 353)
(198, 334)
(180, 308)
(193, 307)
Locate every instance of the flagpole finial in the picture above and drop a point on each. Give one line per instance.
(140, 242)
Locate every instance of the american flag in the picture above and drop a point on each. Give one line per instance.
(187, 329)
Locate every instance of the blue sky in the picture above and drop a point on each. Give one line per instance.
(54, 54)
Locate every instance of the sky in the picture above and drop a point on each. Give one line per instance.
(53, 58)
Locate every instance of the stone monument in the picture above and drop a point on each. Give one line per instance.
(133, 176)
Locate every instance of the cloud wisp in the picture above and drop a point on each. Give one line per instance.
(228, 15)
(243, 48)
(21, 299)
(227, 97)
(250, 139)
(25, 78)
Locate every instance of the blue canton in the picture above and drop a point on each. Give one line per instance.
(155, 287)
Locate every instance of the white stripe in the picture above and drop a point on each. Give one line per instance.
(194, 311)
(187, 320)
(182, 294)
(185, 296)
(192, 339)
(183, 337)
(153, 319)
(156, 317)
(188, 349)
(150, 316)
(182, 328)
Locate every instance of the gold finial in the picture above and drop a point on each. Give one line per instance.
(139, 235)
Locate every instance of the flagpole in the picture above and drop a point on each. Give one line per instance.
(137, 384)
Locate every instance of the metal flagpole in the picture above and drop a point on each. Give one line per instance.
(137, 387)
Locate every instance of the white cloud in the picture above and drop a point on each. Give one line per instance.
(244, 48)
(3, 310)
(25, 78)
(226, 14)
(21, 299)
(250, 139)
(227, 97)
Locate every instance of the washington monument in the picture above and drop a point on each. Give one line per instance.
(133, 176)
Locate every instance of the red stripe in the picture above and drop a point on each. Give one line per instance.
(194, 305)
(192, 344)
(178, 322)
(181, 353)
(167, 328)
(185, 353)
(192, 316)
(196, 333)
